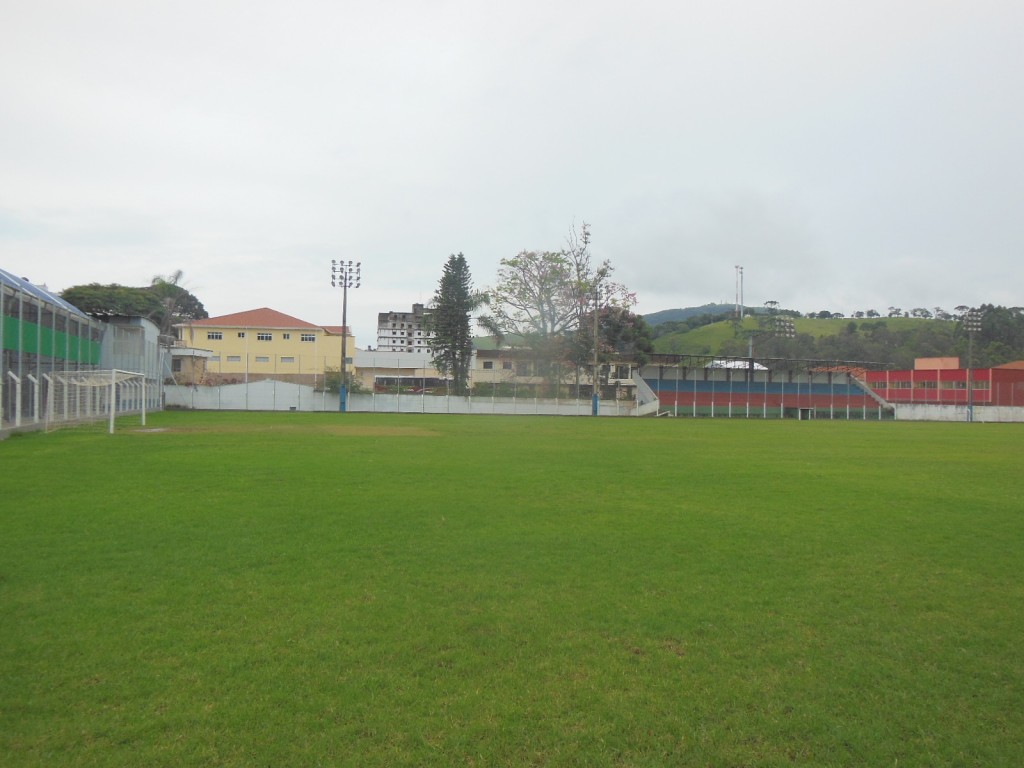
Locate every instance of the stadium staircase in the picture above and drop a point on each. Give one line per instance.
(866, 388)
(646, 398)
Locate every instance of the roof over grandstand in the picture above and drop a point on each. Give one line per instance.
(735, 363)
(264, 317)
(40, 292)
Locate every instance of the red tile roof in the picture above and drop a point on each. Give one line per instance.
(264, 317)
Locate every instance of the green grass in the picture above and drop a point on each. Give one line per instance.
(384, 590)
(707, 339)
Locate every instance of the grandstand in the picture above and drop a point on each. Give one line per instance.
(701, 385)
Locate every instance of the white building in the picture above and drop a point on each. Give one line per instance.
(403, 331)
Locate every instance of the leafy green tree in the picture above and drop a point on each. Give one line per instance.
(543, 300)
(535, 303)
(112, 299)
(594, 290)
(451, 339)
(177, 305)
(164, 301)
(625, 335)
(1001, 338)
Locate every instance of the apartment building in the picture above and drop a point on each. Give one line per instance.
(403, 331)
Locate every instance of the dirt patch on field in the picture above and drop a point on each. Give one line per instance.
(341, 430)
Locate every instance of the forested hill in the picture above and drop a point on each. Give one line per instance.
(678, 315)
(895, 341)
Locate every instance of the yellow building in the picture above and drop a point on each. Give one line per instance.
(265, 344)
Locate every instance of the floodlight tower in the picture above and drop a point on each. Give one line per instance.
(740, 310)
(972, 323)
(344, 275)
(736, 310)
(743, 307)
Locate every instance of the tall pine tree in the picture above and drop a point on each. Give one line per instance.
(451, 340)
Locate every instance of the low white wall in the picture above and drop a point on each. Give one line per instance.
(982, 413)
(476, 405)
(256, 396)
(285, 396)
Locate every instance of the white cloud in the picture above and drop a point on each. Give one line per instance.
(848, 156)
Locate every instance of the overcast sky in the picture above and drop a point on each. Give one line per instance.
(849, 155)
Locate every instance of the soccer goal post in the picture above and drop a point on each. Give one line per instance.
(81, 396)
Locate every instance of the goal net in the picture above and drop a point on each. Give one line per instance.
(81, 396)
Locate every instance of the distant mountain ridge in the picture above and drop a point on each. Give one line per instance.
(675, 315)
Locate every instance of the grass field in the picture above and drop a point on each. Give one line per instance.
(231, 589)
(708, 339)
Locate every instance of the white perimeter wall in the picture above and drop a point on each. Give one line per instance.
(285, 396)
(982, 413)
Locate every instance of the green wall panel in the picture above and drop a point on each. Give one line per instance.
(46, 346)
(54, 343)
(11, 328)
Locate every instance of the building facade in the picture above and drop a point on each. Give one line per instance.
(404, 331)
(261, 344)
(384, 371)
(517, 372)
(134, 344)
(941, 381)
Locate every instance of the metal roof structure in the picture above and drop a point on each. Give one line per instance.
(42, 294)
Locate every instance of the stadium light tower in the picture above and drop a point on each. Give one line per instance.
(344, 275)
(784, 328)
(972, 323)
(740, 309)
